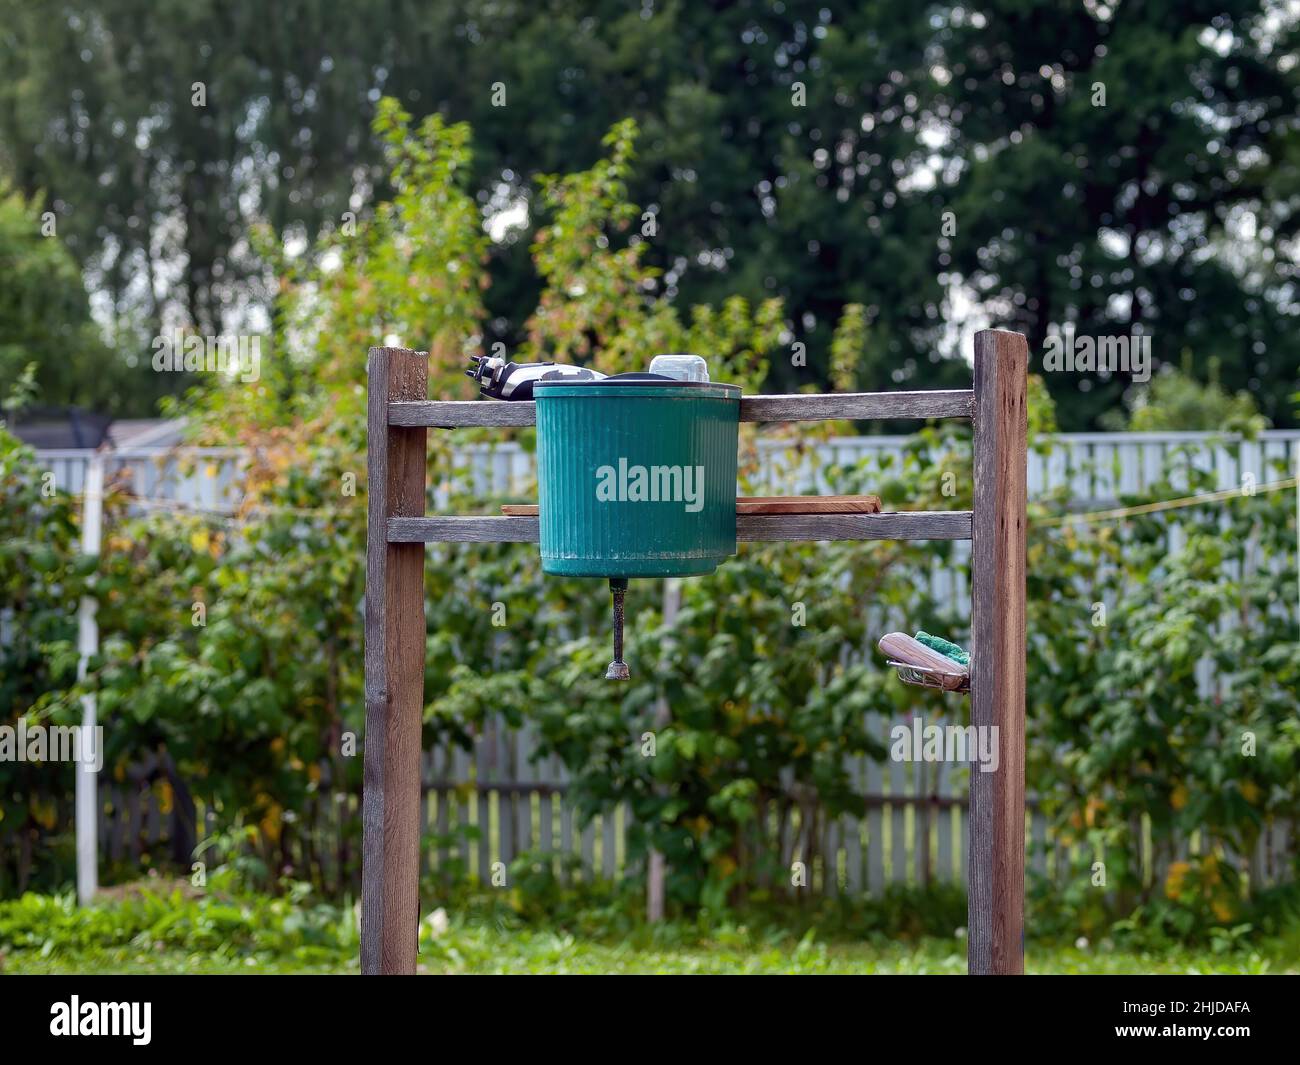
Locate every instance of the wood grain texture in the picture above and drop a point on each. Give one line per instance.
(857, 406)
(376, 679)
(394, 658)
(891, 525)
(996, 869)
(462, 413)
(798, 407)
(463, 530)
(760, 505)
(902, 525)
(808, 504)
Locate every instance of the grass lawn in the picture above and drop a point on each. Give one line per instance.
(163, 927)
(485, 949)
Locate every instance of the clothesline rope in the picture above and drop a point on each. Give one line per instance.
(1168, 504)
(1059, 519)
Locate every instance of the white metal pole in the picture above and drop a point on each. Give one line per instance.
(657, 868)
(88, 645)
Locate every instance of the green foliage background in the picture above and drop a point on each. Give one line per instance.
(251, 706)
(1069, 212)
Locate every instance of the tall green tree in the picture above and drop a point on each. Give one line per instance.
(1131, 167)
(45, 316)
(162, 130)
(805, 150)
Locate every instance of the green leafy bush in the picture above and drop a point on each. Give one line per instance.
(1123, 622)
(288, 926)
(254, 705)
(42, 576)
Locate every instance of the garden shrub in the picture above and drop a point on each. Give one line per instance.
(42, 576)
(255, 705)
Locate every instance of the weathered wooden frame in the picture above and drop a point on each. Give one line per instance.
(399, 416)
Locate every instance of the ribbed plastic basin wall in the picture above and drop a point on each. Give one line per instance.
(636, 480)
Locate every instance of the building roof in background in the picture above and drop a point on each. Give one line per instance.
(74, 429)
(147, 432)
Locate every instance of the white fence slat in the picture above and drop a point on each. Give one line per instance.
(566, 833)
(898, 788)
(874, 786)
(483, 775)
(507, 823)
(943, 826)
(830, 846)
(589, 851)
(609, 843)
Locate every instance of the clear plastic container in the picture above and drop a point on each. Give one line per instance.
(680, 367)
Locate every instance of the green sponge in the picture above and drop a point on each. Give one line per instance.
(944, 647)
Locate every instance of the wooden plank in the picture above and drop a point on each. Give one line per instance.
(996, 873)
(394, 666)
(857, 406)
(752, 528)
(897, 525)
(798, 407)
(462, 530)
(425, 799)
(462, 413)
(853, 504)
(759, 505)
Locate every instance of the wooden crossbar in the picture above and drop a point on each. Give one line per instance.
(798, 407)
(901, 525)
(397, 529)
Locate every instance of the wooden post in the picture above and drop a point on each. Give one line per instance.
(395, 639)
(395, 631)
(996, 870)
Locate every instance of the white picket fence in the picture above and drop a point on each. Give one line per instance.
(202, 478)
(500, 800)
(1094, 468)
